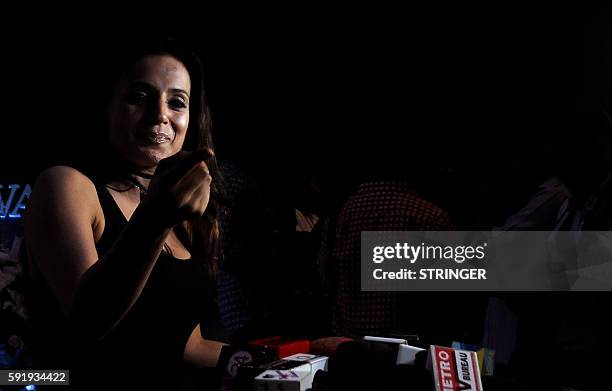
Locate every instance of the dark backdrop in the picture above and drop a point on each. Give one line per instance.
(477, 91)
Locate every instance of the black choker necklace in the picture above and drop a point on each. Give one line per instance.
(139, 186)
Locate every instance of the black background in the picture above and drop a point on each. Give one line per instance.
(477, 90)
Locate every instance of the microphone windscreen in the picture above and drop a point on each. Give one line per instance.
(420, 359)
(364, 354)
(327, 346)
(362, 364)
(410, 378)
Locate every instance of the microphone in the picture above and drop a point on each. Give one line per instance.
(327, 346)
(486, 356)
(289, 373)
(282, 347)
(377, 363)
(406, 353)
(373, 365)
(454, 369)
(232, 358)
(258, 366)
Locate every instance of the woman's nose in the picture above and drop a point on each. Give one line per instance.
(158, 112)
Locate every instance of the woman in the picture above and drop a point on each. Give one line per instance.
(120, 256)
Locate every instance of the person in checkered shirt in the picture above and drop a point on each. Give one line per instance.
(376, 205)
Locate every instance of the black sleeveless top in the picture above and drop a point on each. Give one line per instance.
(146, 348)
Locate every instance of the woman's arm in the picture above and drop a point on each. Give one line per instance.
(63, 217)
(200, 352)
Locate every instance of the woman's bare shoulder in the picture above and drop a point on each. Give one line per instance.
(65, 186)
(63, 175)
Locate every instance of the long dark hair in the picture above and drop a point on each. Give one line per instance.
(202, 236)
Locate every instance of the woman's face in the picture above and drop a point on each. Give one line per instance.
(149, 111)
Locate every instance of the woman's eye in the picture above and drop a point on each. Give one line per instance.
(177, 103)
(136, 97)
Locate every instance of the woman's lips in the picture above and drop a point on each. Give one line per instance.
(156, 137)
